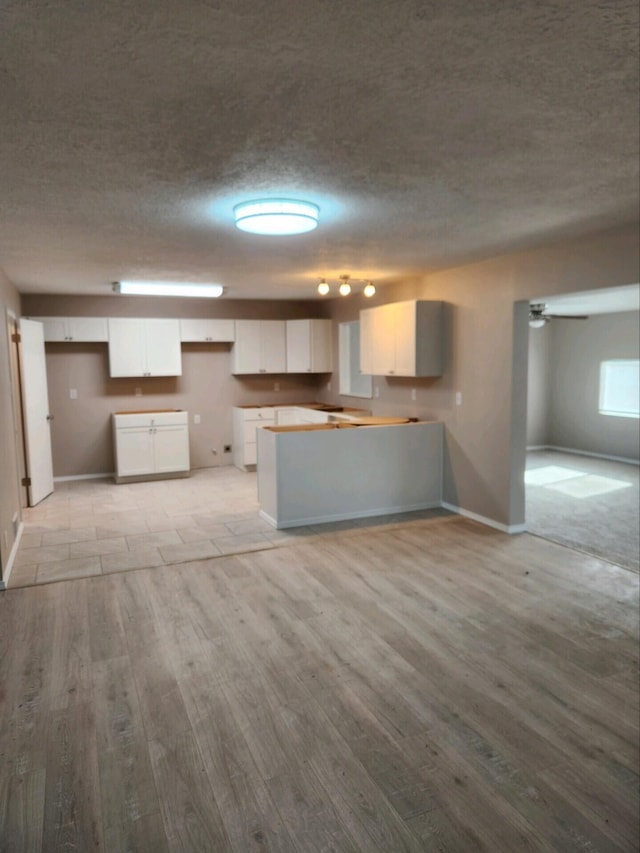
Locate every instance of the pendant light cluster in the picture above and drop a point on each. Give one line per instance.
(344, 286)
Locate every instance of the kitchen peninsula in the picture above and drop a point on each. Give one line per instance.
(315, 473)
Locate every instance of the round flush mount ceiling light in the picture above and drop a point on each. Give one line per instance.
(276, 216)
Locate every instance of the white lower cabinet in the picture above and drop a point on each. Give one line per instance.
(151, 445)
(246, 420)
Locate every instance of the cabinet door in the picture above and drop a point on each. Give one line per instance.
(247, 346)
(134, 451)
(207, 330)
(404, 323)
(298, 334)
(171, 448)
(87, 329)
(321, 346)
(273, 346)
(287, 417)
(366, 341)
(162, 341)
(54, 329)
(383, 336)
(127, 355)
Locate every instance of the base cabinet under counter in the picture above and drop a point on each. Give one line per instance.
(151, 445)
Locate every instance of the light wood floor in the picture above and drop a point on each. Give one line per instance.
(434, 687)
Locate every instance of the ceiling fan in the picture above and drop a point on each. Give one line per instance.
(537, 317)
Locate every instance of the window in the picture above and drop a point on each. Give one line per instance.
(619, 388)
(352, 382)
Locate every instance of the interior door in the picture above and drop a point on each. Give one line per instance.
(35, 401)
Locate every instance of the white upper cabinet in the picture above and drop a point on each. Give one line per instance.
(139, 347)
(77, 329)
(218, 331)
(402, 339)
(260, 347)
(309, 346)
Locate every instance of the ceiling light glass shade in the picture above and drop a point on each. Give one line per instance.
(537, 323)
(323, 288)
(169, 288)
(345, 289)
(369, 289)
(276, 216)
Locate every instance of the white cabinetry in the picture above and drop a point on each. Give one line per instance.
(151, 445)
(260, 347)
(402, 339)
(218, 331)
(245, 423)
(144, 347)
(78, 329)
(309, 346)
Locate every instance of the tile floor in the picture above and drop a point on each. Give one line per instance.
(92, 527)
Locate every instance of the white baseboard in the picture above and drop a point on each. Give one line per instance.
(482, 519)
(12, 557)
(346, 516)
(537, 447)
(575, 452)
(83, 477)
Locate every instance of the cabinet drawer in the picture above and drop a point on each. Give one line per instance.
(149, 419)
(266, 413)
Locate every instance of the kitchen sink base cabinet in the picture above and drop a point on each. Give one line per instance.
(311, 477)
(150, 445)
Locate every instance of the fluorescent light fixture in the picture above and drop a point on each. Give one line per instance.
(169, 288)
(276, 216)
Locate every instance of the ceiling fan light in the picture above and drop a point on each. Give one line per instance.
(276, 217)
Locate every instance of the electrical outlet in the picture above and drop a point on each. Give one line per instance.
(73, 393)
(376, 393)
(458, 398)
(138, 392)
(414, 394)
(276, 386)
(328, 386)
(196, 419)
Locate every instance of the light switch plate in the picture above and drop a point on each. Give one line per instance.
(73, 393)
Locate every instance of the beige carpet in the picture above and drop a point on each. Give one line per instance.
(585, 503)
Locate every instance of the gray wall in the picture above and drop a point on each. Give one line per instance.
(538, 386)
(577, 348)
(10, 498)
(487, 330)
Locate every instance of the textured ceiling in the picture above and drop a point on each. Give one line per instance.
(430, 134)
